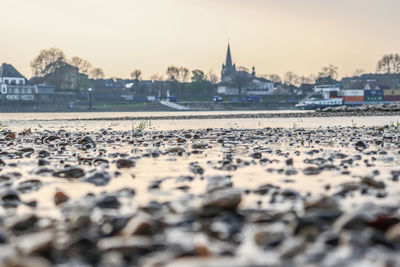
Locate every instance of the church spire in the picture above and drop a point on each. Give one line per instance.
(228, 62)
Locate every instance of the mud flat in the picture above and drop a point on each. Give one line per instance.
(208, 197)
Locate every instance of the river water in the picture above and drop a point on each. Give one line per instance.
(103, 120)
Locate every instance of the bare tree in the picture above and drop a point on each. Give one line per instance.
(272, 77)
(212, 77)
(47, 61)
(184, 74)
(83, 65)
(396, 63)
(389, 64)
(172, 73)
(156, 77)
(97, 73)
(304, 80)
(312, 78)
(358, 72)
(198, 76)
(330, 71)
(136, 74)
(290, 78)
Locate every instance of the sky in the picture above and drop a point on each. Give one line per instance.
(274, 36)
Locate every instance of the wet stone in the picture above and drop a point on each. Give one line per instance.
(224, 199)
(125, 163)
(98, 179)
(361, 145)
(29, 186)
(254, 206)
(108, 202)
(218, 182)
(70, 173)
(312, 170)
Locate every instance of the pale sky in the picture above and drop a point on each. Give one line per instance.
(273, 35)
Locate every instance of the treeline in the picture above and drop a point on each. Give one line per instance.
(388, 64)
(50, 59)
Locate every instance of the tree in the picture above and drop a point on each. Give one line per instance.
(212, 77)
(184, 74)
(136, 74)
(47, 61)
(83, 65)
(199, 84)
(312, 78)
(97, 73)
(290, 78)
(273, 77)
(303, 80)
(156, 77)
(241, 79)
(389, 64)
(358, 72)
(198, 76)
(330, 71)
(172, 73)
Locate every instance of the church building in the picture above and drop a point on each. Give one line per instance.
(234, 82)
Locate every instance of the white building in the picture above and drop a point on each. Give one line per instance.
(227, 89)
(13, 85)
(259, 86)
(253, 85)
(9, 75)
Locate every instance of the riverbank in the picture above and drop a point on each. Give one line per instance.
(205, 197)
(343, 111)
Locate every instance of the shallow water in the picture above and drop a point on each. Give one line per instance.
(239, 156)
(78, 121)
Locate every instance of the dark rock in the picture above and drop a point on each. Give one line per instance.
(361, 145)
(224, 199)
(29, 186)
(312, 170)
(70, 173)
(98, 179)
(108, 202)
(125, 163)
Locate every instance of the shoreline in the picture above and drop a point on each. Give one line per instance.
(138, 193)
(242, 116)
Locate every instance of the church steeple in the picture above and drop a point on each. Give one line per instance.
(228, 62)
(228, 68)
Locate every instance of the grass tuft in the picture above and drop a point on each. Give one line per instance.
(141, 127)
(2, 126)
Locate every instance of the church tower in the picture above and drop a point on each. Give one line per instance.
(228, 68)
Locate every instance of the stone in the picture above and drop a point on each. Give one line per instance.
(224, 199)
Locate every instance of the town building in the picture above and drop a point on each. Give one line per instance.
(65, 77)
(9, 75)
(236, 82)
(13, 87)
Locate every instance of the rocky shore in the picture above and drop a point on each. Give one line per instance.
(342, 111)
(212, 197)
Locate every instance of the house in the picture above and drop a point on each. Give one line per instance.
(227, 88)
(10, 75)
(259, 86)
(65, 77)
(13, 85)
(234, 82)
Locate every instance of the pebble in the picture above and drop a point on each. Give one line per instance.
(207, 197)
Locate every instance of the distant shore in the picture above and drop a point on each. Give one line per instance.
(294, 114)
